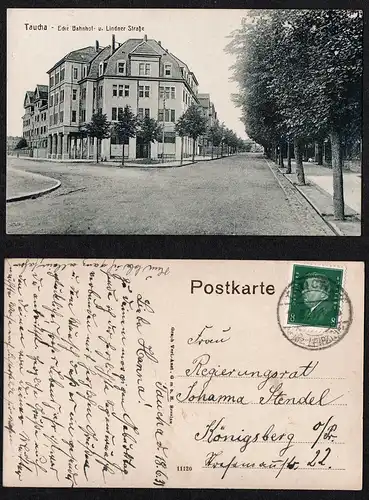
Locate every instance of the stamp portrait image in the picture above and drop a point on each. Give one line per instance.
(314, 311)
(124, 121)
(315, 296)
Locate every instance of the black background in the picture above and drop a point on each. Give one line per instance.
(190, 247)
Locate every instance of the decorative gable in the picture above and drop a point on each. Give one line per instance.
(144, 49)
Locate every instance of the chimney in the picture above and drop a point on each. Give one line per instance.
(145, 38)
(97, 45)
(112, 49)
(159, 42)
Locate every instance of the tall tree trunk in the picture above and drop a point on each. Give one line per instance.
(212, 150)
(289, 166)
(276, 156)
(299, 151)
(319, 152)
(337, 164)
(182, 140)
(281, 163)
(193, 150)
(97, 150)
(123, 154)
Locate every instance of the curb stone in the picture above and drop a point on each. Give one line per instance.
(34, 194)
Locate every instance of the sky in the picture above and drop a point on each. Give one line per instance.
(197, 37)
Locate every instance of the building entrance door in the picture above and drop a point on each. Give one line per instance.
(142, 149)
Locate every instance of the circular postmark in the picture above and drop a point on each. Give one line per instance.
(310, 320)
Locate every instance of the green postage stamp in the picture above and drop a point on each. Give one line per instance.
(315, 296)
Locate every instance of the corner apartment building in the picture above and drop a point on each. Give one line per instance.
(35, 118)
(140, 73)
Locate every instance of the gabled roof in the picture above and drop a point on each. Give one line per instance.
(41, 91)
(145, 49)
(29, 98)
(84, 55)
(102, 56)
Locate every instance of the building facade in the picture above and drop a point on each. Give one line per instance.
(140, 73)
(35, 119)
(210, 114)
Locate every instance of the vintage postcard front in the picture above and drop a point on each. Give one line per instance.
(191, 374)
(180, 121)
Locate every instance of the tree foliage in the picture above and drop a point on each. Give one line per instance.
(126, 127)
(300, 78)
(149, 130)
(22, 143)
(192, 124)
(98, 127)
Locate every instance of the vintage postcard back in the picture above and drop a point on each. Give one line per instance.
(191, 374)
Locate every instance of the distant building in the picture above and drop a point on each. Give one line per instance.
(35, 119)
(211, 117)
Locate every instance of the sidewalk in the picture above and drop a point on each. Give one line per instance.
(21, 185)
(128, 163)
(319, 191)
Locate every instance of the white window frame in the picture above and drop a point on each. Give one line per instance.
(101, 69)
(147, 89)
(141, 66)
(121, 61)
(166, 65)
(75, 71)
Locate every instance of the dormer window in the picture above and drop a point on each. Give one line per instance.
(121, 67)
(144, 69)
(167, 70)
(101, 68)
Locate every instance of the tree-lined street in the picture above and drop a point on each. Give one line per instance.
(233, 195)
(300, 78)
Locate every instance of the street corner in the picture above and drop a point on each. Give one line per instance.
(21, 185)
